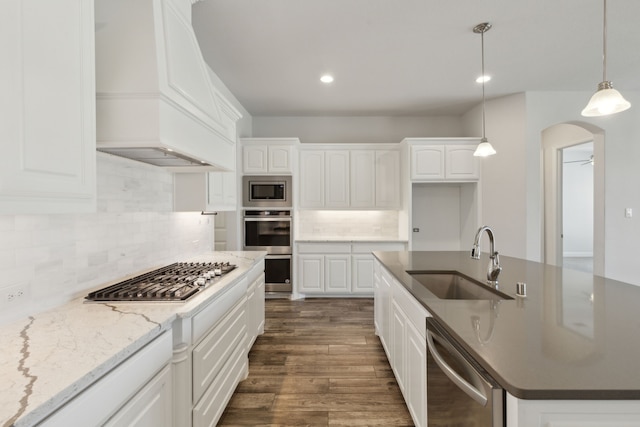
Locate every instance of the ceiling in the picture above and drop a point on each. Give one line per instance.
(410, 57)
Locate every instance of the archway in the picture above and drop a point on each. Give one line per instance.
(554, 139)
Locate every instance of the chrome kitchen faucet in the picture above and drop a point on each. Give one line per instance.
(494, 269)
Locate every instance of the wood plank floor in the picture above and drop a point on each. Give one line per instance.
(319, 363)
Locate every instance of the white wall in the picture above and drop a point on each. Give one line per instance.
(511, 193)
(622, 157)
(356, 129)
(58, 257)
(503, 192)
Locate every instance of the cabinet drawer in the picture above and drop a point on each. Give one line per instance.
(415, 312)
(211, 354)
(100, 401)
(324, 248)
(212, 314)
(208, 411)
(365, 248)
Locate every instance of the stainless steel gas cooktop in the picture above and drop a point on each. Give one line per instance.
(175, 282)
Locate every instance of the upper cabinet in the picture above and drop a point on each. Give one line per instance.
(156, 102)
(268, 155)
(211, 191)
(48, 162)
(443, 159)
(345, 178)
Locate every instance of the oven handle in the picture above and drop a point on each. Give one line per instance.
(285, 256)
(287, 219)
(470, 390)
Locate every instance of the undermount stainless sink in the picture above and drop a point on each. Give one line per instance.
(456, 286)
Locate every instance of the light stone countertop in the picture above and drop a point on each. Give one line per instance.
(50, 357)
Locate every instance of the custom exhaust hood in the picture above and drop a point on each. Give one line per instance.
(155, 101)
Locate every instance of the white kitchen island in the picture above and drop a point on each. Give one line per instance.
(113, 363)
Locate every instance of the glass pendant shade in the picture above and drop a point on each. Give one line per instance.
(605, 101)
(484, 149)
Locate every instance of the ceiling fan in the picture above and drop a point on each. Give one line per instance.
(588, 161)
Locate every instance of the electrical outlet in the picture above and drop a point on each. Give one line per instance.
(13, 294)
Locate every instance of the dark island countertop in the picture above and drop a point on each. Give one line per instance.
(574, 336)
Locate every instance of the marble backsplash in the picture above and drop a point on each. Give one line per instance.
(55, 258)
(380, 225)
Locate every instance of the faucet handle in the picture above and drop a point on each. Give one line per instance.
(475, 251)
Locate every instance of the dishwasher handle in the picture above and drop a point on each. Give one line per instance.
(469, 389)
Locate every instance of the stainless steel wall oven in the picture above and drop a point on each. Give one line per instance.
(271, 231)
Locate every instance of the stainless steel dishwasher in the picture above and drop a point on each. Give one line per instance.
(459, 391)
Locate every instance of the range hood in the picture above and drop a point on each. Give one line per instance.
(155, 101)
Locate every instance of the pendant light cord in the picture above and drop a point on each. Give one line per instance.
(604, 43)
(483, 79)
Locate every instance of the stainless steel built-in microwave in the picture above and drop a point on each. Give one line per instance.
(267, 191)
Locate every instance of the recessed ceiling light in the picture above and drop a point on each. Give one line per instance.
(327, 78)
(483, 79)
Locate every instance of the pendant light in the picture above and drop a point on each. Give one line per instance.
(606, 100)
(484, 149)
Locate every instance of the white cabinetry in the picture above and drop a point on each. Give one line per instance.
(47, 81)
(443, 159)
(136, 393)
(212, 191)
(324, 268)
(375, 178)
(339, 268)
(268, 155)
(572, 413)
(349, 178)
(401, 326)
(210, 349)
(336, 179)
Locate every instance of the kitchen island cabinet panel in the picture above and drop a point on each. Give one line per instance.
(402, 331)
(572, 413)
(114, 396)
(152, 406)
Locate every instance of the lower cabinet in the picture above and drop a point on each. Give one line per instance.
(211, 348)
(401, 325)
(338, 268)
(136, 393)
(571, 413)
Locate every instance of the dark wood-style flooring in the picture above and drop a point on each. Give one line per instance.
(319, 363)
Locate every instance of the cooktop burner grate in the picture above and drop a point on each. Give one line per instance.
(175, 282)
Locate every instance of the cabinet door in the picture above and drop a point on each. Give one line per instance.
(337, 273)
(363, 276)
(398, 364)
(221, 194)
(254, 159)
(416, 380)
(310, 273)
(336, 179)
(151, 406)
(387, 179)
(377, 297)
(280, 159)
(427, 162)
(311, 194)
(461, 163)
(385, 311)
(48, 131)
(363, 179)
